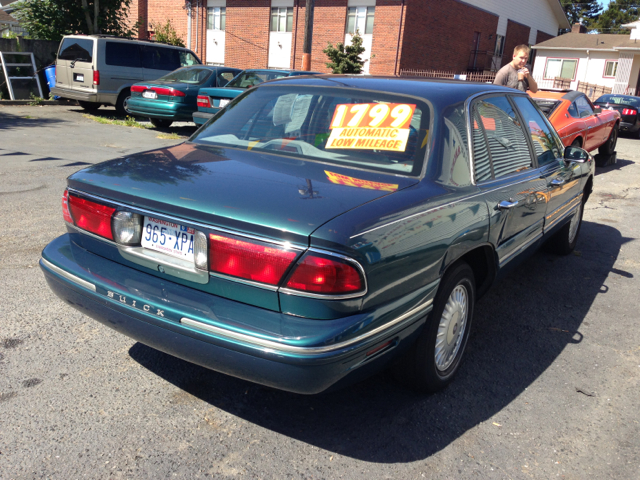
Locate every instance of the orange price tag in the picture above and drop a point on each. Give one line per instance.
(371, 126)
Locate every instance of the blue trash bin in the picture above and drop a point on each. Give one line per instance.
(50, 73)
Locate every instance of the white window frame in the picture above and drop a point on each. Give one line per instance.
(615, 68)
(360, 15)
(561, 60)
(214, 18)
(283, 13)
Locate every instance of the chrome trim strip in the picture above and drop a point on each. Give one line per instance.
(280, 347)
(184, 221)
(483, 192)
(273, 288)
(571, 208)
(68, 276)
(520, 248)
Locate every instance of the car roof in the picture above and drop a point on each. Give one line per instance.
(444, 91)
(274, 70)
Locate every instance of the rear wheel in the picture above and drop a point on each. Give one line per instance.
(577, 143)
(564, 241)
(89, 106)
(609, 146)
(434, 359)
(160, 123)
(120, 102)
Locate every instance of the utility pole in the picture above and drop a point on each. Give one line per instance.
(308, 34)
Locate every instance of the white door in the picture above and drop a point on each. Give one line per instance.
(360, 19)
(216, 22)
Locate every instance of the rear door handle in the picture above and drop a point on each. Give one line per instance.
(507, 204)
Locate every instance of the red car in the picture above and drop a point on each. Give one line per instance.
(578, 122)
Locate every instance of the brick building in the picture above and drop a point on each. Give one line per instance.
(453, 35)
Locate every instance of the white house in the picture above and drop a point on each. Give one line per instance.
(602, 59)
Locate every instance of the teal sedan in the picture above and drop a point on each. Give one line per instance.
(173, 97)
(321, 228)
(211, 100)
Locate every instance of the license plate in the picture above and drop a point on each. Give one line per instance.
(170, 238)
(149, 94)
(79, 77)
(224, 102)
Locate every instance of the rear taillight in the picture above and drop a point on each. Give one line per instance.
(168, 91)
(96, 77)
(203, 101)
(248, 260)
(138, 88)
(322, 275)
(65, 207)
(629, 111)
(91, 216)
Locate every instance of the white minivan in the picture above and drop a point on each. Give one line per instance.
(99, 70)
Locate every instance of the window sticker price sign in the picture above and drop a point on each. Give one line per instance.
(371, 126)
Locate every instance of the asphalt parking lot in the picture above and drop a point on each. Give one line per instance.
(549, 387)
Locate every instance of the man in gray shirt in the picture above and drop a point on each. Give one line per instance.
(515, 74)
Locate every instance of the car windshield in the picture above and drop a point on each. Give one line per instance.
(251, 79)
(377, 131)
(195, 76)
(546, 105)
(619, 100)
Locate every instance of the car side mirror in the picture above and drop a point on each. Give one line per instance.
(597, 109)
(576, 155)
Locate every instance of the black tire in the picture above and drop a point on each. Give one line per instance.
(89, 106)
(419, 368)
(160, 123)
(608, 147)
(120, 102)
(564, 241)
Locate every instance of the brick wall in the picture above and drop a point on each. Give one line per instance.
(247, 33)
(517, 34)
(438, 34)
(389, 18)
(329, 18)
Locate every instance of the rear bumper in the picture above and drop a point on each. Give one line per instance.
(629, 127)
(83, 96)
(200, 118)
(212, 331)
(166, 110)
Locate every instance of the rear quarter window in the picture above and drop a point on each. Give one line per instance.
(122, 54)
(76, 49)
(160, 58)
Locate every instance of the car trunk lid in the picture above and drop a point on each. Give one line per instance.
(283, 198)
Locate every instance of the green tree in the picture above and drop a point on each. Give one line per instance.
(345, 59)
(167, 34)
(582, 11)
(618, 13)
(53, 19)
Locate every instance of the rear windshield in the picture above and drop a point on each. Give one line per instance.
(546, 105)
(76, 49)
(619, 100)
(370, 130)
(251, 79)
(195, 76)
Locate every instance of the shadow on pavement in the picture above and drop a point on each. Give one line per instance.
(620, 164)
(9, 121)
(521, 327)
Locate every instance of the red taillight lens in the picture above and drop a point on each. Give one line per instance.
(248, 260)
(629, 111)
(168, 91)
(96, 77)
(91, 216)
(317, 274)
(138, 88)
(203, 101)
(65, 207)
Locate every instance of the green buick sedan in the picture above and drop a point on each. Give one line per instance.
(319, 229)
